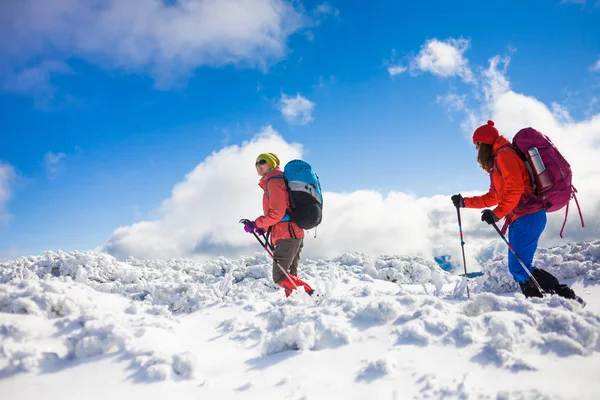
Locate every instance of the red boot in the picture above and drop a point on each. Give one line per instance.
(299, 282)
(289, 285)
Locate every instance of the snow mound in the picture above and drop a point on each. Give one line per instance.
(376, 370)
(565, 262)
(503, 328)
(61, 310)
(397, 269)
(64, 322)
(185, 285)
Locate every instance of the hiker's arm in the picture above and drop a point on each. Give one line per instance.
(510, 165)
(277, 204)
(487, 200)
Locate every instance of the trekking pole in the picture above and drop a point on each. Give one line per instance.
(269, 249)
(462, 245)
(542, 292)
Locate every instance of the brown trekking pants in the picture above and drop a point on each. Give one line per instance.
(287, 255)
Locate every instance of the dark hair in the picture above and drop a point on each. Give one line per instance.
(485, 156)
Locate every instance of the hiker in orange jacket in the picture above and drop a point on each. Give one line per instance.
(284, 235)
(509, 189)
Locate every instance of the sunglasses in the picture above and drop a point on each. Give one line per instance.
(260, 162)
(477, 145)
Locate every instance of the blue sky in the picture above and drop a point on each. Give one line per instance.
(96, 132)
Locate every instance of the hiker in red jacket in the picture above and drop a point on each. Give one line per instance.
(510, 185)
(284, 235)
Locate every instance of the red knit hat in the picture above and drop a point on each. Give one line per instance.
(486, 133)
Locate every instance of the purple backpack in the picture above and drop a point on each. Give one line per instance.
(550, 173)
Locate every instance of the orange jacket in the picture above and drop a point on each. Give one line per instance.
(509, 182)
(275, 206)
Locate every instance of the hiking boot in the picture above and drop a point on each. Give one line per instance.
(529, 289)
(565, 291)
(546, 280)
(549, 284)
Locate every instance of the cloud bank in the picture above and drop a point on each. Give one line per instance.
(166, 40)
(200, 219)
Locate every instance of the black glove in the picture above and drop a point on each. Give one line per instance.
(489, 217)
(458, 200)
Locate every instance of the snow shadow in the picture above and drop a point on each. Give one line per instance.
(244, 387)
(375, 370)
(491, 356)
(266, 362)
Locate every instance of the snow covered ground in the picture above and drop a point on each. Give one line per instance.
(84, 325)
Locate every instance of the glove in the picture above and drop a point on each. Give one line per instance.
(249, 226)
(458, 200)
(489, 217)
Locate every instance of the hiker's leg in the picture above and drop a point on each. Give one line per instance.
(294, 271)
(296, 261)
(283, 256)
(523, 235)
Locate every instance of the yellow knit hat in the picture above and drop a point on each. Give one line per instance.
(270, 158)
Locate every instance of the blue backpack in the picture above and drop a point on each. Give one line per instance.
(304, 191)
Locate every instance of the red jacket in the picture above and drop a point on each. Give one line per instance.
(275, 206)
(509, 183)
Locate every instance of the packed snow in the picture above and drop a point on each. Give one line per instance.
(85, 325)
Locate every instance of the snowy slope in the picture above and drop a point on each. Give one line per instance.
(84, 325)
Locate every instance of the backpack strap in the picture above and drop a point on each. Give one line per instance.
(512, 213)
(526, 193)
(286, 217)
(567, 211)
(267, 184)
(290, 230)
(565, 221)
(578, 208)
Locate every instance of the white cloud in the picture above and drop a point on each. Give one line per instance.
(36, 81)
(167, 41)
(596, 67)
(201, 216)
(52, 163)
(453, 101)
(578, 141)
(444, 58)
(323, 82)
(7, 177)
(325, 9)
(297, 109)
(200, 219)
(396, 70)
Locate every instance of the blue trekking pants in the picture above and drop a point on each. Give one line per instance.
(523, 235)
